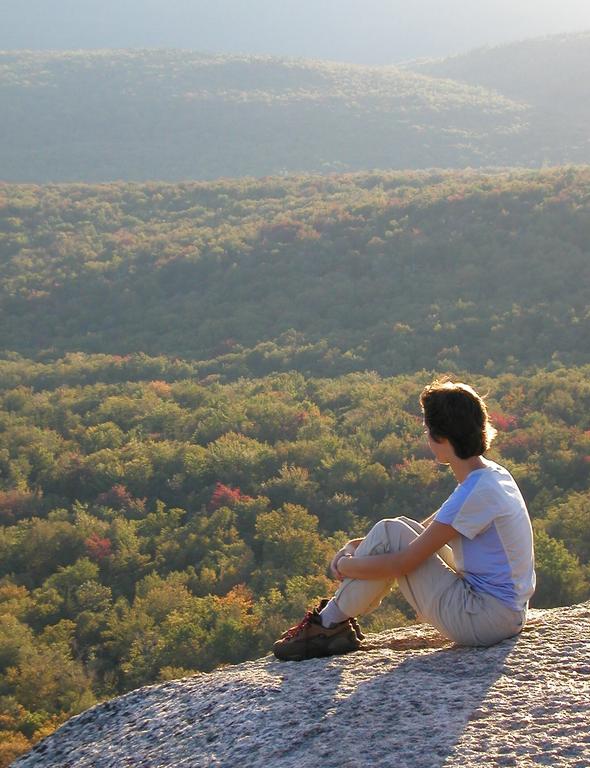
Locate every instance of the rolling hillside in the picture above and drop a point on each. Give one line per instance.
(206, 386)
(552, 73)
(395, 272)
(176, 115)
(551, 76)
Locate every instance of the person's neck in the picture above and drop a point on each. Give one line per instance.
(463, 467)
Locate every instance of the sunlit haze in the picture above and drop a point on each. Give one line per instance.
(371, 31)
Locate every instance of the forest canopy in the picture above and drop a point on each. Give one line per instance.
(389, 271)
(154, 527)
(206, 387)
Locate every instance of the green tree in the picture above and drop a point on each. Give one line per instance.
(561, 580)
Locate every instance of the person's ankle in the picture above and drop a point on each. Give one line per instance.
(331, 615)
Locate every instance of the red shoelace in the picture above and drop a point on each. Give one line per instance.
(292, 631)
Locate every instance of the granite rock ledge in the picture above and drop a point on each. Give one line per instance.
(409, 699)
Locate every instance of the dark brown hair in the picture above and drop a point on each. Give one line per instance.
(455, 411)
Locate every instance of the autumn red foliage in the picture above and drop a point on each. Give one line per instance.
(16, 505)
(119, 498)
(225, 496)
(504, 422)
(97, 547)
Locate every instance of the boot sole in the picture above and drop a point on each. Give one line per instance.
(337, 648)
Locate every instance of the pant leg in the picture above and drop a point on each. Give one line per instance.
(471, 617)
(422, 587)
(464, 615)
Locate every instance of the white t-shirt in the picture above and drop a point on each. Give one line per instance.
(494, 550)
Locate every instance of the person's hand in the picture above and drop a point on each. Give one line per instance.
(346, 551)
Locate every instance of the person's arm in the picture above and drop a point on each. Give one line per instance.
(428, 520)
(394, 564)
(348, 549)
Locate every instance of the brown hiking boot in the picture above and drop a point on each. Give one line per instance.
(309, 639)
(320, 607)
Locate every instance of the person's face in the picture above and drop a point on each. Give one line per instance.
(441, 449)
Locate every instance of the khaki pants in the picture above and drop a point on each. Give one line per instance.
(436, 592)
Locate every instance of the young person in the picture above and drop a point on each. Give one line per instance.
(468, 569)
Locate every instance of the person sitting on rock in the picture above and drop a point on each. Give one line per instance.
(468, 569)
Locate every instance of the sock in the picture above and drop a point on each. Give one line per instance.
(331, 615)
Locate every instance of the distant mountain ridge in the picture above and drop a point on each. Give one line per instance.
(177, 115)
(538, 72)
(550, 75)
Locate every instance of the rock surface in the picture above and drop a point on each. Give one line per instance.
(410, 700)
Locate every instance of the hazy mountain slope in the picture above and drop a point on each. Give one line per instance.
(101, 116)
(553, 72)
(551, 75)
(391, 271)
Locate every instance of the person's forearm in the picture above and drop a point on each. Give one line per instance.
(388, 566)
(428, 520)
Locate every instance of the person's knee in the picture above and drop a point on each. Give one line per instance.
(406, 521)
(376, 542)
(389, 523)
(390, 531)
(382, 528)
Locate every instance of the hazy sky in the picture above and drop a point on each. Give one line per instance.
(364, 31)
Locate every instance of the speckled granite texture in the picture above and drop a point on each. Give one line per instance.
(410, 700)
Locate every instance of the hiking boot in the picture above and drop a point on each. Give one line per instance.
(355, 625)
(320, 607)
(309, 639)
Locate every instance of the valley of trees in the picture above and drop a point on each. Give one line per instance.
(96, 116)
(389, 271)
(155, 524)
(206, 387)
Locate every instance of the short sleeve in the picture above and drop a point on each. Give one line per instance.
(477, 514)
(469, 509)
(450, 509)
